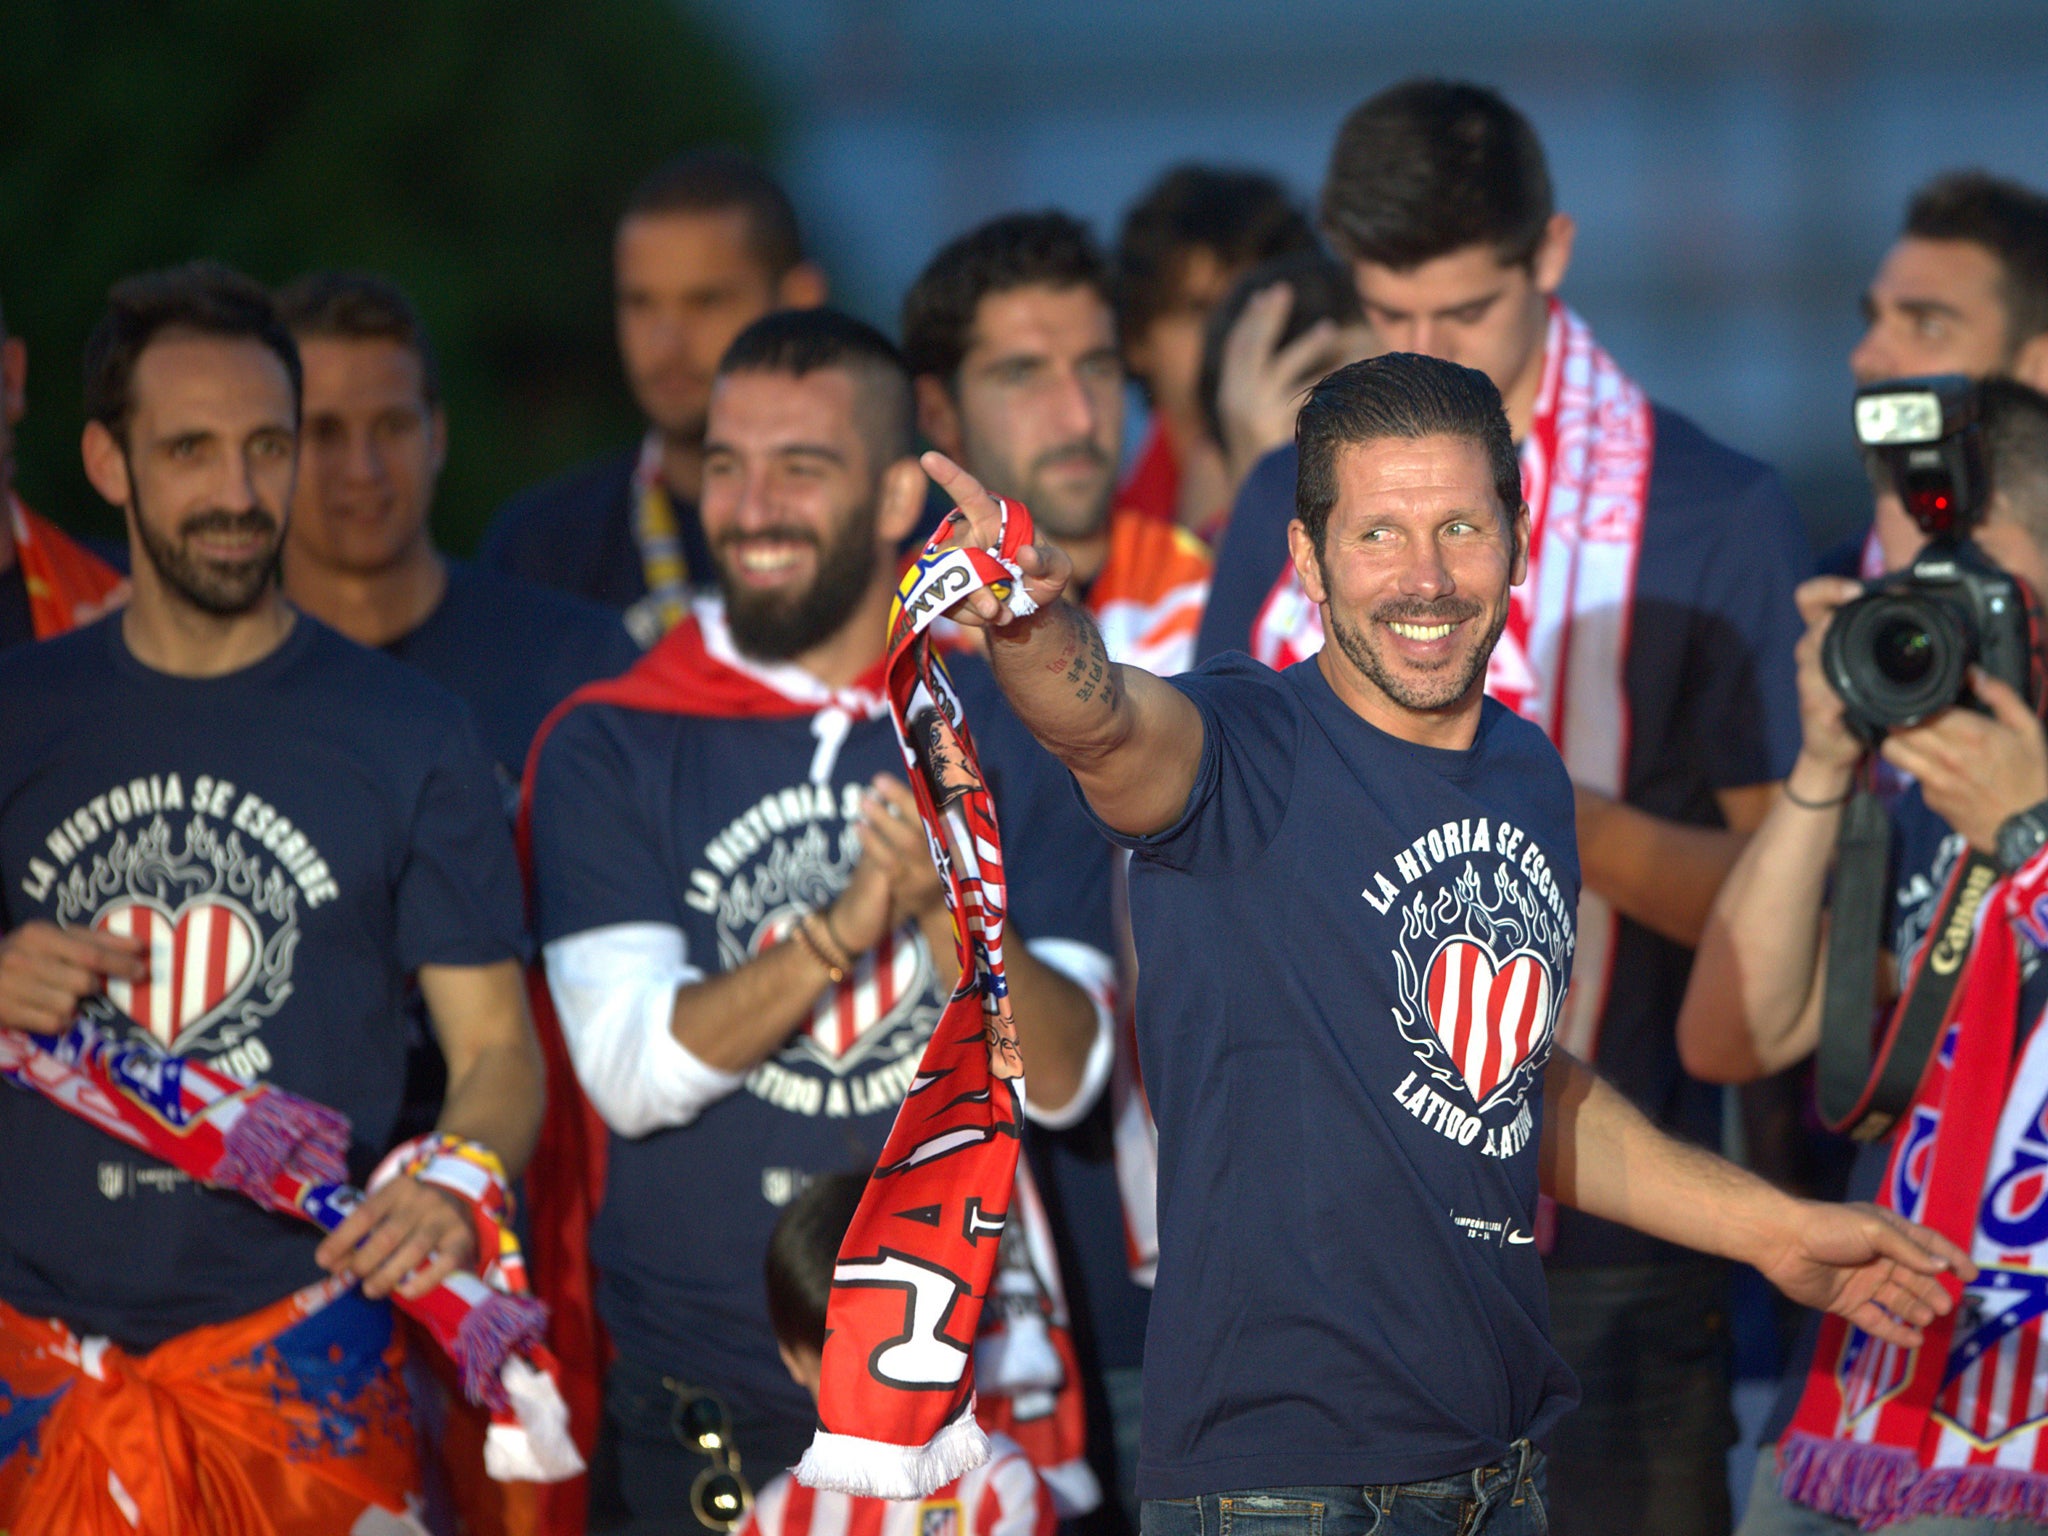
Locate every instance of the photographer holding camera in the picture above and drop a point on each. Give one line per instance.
(1949, 1437)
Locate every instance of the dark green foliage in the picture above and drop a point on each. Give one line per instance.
(476, 151)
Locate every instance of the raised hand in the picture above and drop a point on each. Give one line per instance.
(1046, 568)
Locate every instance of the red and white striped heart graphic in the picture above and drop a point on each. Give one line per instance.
(881, 982)
(1488, 1017)
(200, 960)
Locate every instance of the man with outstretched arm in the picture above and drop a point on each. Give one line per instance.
(1354, 891)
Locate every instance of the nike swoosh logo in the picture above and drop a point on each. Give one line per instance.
(1519, 1237)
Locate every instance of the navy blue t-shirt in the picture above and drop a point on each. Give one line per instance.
(725, 829)
(1713, 704)
(294, 839)
(1353, 950)
(512, 650)
(575, 533)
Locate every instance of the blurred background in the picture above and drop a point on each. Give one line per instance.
(1736, 168)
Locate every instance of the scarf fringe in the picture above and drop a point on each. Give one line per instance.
(1877, 1485)
(493, 1332)
(881, 1469)
(281, 1135)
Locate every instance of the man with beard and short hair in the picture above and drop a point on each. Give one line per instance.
(1012, 335)
(49, 583)
(1653, 644)
(246, 834)
(708, 243)
(1359, 1098)
(745, 940)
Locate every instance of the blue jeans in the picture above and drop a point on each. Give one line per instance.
(1505, 1499)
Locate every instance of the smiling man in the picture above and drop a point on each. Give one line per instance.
(248, 835)
(1354, 891)
(745, 939)
(1651, 643)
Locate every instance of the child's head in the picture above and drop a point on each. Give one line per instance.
(801, 1253)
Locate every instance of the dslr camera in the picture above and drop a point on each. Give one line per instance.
(1903, 650)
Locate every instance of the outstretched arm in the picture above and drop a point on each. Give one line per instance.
(1132, 742)
(1601, 1155)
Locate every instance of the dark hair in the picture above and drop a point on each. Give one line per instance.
(1240, 217)
(1429, 167)
(801, 1252)
(1020, 250)
(202, 296)
(801, 341)
(1398, 395)
(717, 179)
(2008, 220)
(2015, 419)
(360, 306)
(1323, 290)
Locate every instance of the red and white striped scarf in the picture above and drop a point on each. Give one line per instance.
(1955, 1427)
(1003, 1497)
(1560, 661)
(896, 1401)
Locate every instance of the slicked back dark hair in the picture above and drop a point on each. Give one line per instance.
(1323, 290)
(803, 341)
(360, 306)
(1239, 217)
(2015, 420)
(801, 1252)
(2008, 220)
(203, 298)
(1429, 167)
(1398, 395)
(715, 180)
(1021, 250)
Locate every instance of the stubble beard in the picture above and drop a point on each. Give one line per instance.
(1432, 691)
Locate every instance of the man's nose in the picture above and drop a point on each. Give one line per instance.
(1074, 406)
(1423, 573)
(1873, 359)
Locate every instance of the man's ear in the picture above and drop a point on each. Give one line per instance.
(801, 287)
(901, 502)
(2030, 363)
(1308, 565)
(938, 417)
(106, 466)
(1518, 566)
(1553, 254)
(13, 379)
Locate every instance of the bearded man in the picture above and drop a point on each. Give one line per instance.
(745, 939)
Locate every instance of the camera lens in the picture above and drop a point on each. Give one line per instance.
(1903, 651)
(1896, 657)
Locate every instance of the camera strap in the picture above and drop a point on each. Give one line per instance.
(1863, 1079)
